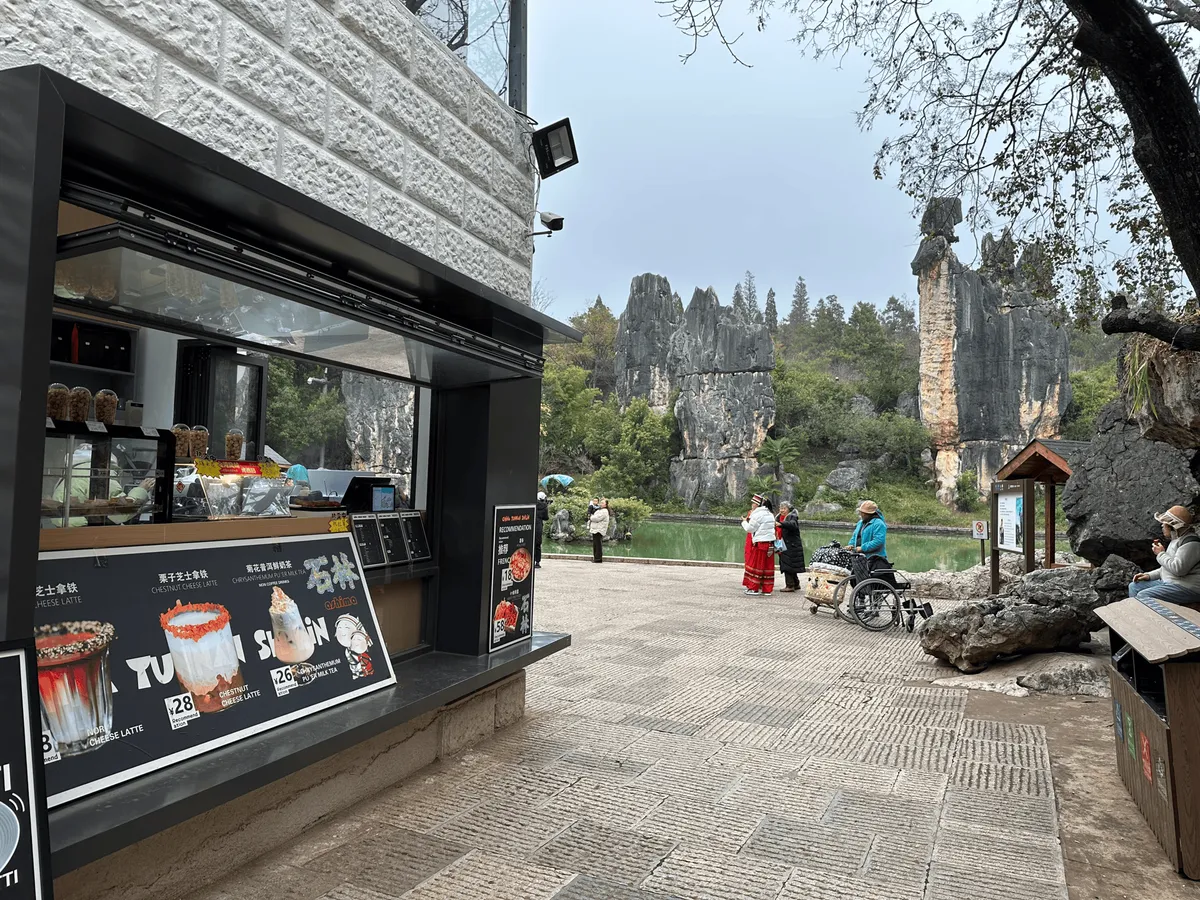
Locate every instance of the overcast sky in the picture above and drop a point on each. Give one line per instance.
(701, 171)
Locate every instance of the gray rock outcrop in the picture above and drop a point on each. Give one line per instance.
(643, 341)
(847, 479)
(1048, 609)
(561, 528)
(907, 406)
(720, 364)
(1171, 412)
(993, 367)
(862, 406)
(1118, 486)
(379, 422)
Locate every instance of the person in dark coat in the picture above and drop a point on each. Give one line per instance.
(791, 558)
(542, 515)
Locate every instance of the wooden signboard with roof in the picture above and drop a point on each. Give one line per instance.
(1044, 462)
(1155, 675)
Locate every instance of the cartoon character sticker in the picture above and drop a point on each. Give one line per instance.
(351, 634)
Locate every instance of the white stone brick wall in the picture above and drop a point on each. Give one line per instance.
(352, 102)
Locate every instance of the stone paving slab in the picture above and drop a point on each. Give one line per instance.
(696, 745)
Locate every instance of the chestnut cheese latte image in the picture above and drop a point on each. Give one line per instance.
(293, 643)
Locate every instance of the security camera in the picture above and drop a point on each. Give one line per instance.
(552, 221)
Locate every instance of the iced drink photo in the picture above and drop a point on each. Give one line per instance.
(203, 652)
(293, 643)
(74, 683)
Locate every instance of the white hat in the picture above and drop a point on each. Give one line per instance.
(541, 495)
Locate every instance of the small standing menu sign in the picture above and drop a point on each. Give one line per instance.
(24, 846)
(512, 576)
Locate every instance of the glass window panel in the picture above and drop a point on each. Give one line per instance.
(179, 298)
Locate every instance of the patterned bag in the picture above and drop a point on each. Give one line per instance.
(833, 554)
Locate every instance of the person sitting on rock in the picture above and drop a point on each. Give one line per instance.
(1177, 579)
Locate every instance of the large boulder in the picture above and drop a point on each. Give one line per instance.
(846, 479)
(561, 529)
(1172, 413)
(1118, 486)
(862, 406)
(1048, 609)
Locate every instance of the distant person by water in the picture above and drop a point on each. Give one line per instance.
(791, 557)
(542, 515)
(598, 526)
(1177, 579)
(759, 525)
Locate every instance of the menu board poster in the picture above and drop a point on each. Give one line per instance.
(24, 844)
(512, 576)
(148, 656)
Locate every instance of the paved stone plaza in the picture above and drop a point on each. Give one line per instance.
(696, 743)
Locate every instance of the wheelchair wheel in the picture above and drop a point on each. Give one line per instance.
(841, 600)
(875, 604)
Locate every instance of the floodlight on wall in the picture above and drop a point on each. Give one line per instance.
(554, 147)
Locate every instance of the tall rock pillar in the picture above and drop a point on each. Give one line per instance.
(994, 369)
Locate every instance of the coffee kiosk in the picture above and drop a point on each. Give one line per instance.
(187, 662)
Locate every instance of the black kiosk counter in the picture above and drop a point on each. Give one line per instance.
(203, 653)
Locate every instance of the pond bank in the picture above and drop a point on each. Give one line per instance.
(724, 542)
(936, 530)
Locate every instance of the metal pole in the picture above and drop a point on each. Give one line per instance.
(324, 438)
(518, 54)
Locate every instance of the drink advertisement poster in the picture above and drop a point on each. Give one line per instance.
(147, 656)
(24, 844)
(1010, 524)
(512, 576)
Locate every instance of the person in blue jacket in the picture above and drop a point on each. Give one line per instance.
(870, 535)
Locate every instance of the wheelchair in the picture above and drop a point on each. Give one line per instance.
(878, 599)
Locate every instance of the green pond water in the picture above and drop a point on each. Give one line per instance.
(725, 543)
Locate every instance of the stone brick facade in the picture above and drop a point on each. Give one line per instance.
(352, 102)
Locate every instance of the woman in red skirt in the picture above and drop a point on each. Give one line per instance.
(759, 525)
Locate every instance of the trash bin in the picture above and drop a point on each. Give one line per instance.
(1155, 676)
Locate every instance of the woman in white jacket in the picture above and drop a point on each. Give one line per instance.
(759, 525)
(598, 526)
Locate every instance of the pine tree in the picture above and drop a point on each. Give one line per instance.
(772, 314)
(799, 314)
(750, 291)
(739, 300)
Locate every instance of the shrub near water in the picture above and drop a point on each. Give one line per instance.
(629, 512)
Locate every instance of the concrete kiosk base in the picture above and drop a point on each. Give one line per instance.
(201, 850)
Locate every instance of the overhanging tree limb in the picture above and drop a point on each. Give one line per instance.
(1123, 320)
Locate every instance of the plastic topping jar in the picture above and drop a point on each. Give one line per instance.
(200, 441)
(80, 404)
(183, 440)
(106, 407)
(235, 440)
(58, 402)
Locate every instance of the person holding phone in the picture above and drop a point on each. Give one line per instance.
(1177, 578)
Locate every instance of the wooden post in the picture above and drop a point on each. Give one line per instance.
(1029, 520)
(995, 501)
(1051, 515)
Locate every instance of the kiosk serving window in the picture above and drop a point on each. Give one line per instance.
(272, 365)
